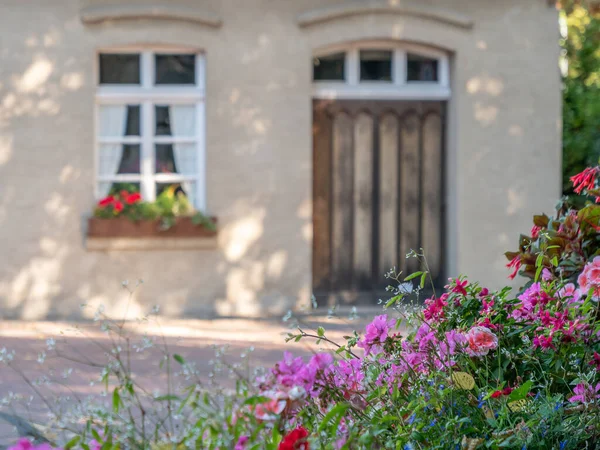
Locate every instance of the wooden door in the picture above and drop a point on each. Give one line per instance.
(377, 192)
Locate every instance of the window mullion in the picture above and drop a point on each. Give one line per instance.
(147, 68)
(352, 74)
(201, 155)
(148, 186)
(399, 67)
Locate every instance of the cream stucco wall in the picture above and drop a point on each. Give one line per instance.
(503, 144)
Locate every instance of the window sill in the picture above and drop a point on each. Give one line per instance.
(122, 234)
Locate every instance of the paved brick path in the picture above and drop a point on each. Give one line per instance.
(194, 340)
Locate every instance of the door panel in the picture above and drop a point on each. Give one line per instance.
(377, 191)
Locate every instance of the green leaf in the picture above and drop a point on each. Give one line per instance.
(336, 412)
(521, 392)
(116, 400)
(423, 277)
(166, 398)
(179, 359)
(256, 400)
(72, 443)
(413, 275)
(321, 331)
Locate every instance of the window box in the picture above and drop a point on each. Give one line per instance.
(121, 233)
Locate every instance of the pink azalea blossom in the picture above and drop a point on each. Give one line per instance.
(585, 393)
(480, 341)
(376, 334)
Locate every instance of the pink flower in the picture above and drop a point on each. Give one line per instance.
(434, 309)
(595, 362)
(271, 409)
(241, 443)
(376, 333)
(26, 444)
(459, 287)
(589, 279)
(585, 393)
(544, 342)
(481, 340)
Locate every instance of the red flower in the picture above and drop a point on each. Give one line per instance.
(118, 206)
(596, 361)
(535, 231)
(507, 390)
(295, 440)
(496, 394)
(514, 264)
(133, 198)
(585, 179)
(106, 201)
(123, 194)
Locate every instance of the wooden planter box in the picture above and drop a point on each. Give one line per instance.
(120, 233)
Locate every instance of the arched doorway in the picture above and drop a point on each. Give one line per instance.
(379, 113)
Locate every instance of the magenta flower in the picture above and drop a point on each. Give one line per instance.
(376, 333)
(241, 443)
(585, 393)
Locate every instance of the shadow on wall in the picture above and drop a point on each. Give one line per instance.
(46, 193)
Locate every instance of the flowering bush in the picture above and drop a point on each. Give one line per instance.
(473, 368)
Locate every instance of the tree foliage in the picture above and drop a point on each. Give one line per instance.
(581, 87)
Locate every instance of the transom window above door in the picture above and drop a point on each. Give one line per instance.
(151, 124)
(381, 70)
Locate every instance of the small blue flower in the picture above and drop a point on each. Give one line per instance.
(411, 419)
(558, 405)
(408, 446)
(563, 445)
(432, 423)
(524, 447)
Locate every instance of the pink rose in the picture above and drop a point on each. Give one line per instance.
(590, 278)
(481, 340)
(271, 409)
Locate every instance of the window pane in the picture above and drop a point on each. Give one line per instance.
(118, 158)
(329, 68)
(175, 120)
(421, 68)
(175, 69)
(119, 120)
(376, 65)
(176, 158)
(165, 160)
(119, 68)
(130, 160)
(186, 188)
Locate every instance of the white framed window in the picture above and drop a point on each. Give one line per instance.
(381, 70)
(150, 122)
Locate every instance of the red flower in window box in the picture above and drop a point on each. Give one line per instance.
(295, 440)
(118, 206)
(106, 201)
(132, 199)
